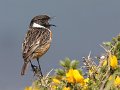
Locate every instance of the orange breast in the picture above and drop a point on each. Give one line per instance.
(41, 51)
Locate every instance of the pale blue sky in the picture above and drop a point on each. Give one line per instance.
(81, 26)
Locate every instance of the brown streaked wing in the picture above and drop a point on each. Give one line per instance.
(35, 37)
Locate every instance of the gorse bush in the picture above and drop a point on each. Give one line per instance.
(102, 76)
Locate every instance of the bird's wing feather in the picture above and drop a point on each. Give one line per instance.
(35, 37)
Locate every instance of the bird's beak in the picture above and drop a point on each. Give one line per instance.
(53, 17)
(52, 25)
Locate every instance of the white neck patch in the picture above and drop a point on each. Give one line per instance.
(38, 25)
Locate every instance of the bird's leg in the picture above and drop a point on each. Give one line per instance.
(39, 67)
(33, 66)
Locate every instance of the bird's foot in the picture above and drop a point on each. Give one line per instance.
(34, 68)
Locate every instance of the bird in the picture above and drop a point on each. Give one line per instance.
(37, 41)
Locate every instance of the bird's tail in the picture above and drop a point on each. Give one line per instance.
(24, 67)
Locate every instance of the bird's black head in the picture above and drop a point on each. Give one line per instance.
(41, 21)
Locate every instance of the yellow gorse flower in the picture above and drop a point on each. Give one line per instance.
(104, 63)
(113, 61)
(117, 81)
(56, 81)
(85, 85)
(54, 87)
(66, 88)
(70, 77)
(28, 88)
(78, 78)
(73, 76)
(86, 80)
